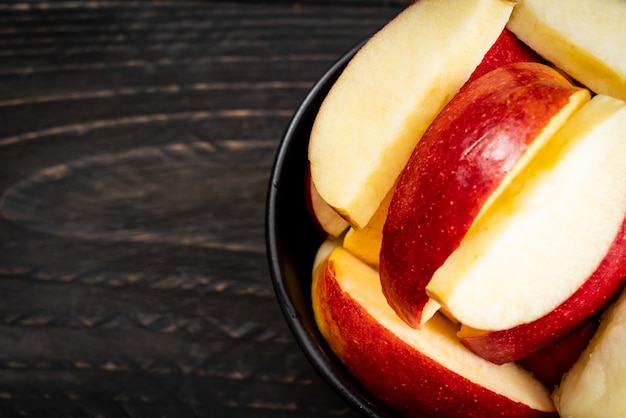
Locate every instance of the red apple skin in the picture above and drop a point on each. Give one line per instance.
(461, 159)
(550, 364)
(591, 298)
(506, 50)
(398, 374)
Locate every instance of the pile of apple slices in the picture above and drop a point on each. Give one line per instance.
(469, 170)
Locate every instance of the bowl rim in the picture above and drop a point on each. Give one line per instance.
(315, 348)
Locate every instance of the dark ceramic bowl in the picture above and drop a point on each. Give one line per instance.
(292, 241)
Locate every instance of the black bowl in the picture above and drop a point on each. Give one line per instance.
(292, 241)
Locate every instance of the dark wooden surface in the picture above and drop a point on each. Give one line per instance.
(136, 140)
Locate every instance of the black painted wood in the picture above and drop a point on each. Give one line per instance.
(136, 140)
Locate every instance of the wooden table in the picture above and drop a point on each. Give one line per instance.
(136, 141)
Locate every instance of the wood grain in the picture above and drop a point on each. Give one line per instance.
(136, 140)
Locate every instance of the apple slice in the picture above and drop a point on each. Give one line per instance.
(365, 243)
(466, 158)
(595, 386)
(549, 230)
(420, 373)
(593, 296)
(325, 218)
(390, 92)
(586, 39)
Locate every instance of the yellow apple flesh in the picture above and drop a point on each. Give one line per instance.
(390, 92)
(585, 38)
(420, 373)
(365, 243)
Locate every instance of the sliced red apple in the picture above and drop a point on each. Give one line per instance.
(469, 154)
(558, 225)
(586, 39)
(546, 234)
(389, 94)
(592, 297)
(595, 386)
(419, 373)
